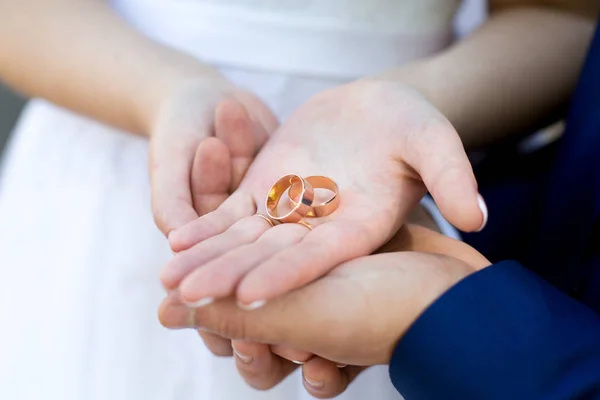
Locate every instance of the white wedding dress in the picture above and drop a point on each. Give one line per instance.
(79, 253)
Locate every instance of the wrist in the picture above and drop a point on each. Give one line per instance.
(447, 272)
(182, 80)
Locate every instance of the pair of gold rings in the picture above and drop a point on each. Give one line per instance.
(301, 197)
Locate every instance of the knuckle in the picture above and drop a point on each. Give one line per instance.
(227, 325)
(232, 328)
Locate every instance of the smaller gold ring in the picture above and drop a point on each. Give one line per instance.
(191, 318)
(321, 209)
(299, 210)
(269, 220)
(306, 224)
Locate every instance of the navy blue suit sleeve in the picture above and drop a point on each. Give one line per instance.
(502, 333)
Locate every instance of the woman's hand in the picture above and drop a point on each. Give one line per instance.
(354, 315)
(381, 141)
(203, 140)
(191, 174)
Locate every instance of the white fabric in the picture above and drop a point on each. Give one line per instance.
(445, 227)
(79, 253)
(343, 38)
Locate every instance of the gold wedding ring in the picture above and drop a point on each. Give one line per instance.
(269, 220)
(306, 224)
(317, 182)
(300, 208)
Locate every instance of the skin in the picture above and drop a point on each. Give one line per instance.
(513, 75)
(353, 315)
(412, 146)
(532, 88)
(111, 73)
(97, 65)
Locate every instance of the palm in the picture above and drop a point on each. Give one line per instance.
(377, 190)
(184, 187)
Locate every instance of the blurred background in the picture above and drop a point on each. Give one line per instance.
(10, 106)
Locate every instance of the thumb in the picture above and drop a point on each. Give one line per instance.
(211, 175)
(171, 197)
(240, 134)
(440, 160)
(226, 319)
(325, 318)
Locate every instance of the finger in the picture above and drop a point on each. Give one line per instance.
(211, 175)
(245, 231)
(217, 345)
(226, 319)
(235, 128)
(172, 306)
(420, 239)
(296, 356)
(258, 366)
(321, 250)
(324, 379)
(170, 182)
(236, 207)
(218, 278)
(443, 165)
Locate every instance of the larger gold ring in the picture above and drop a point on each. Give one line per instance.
(318, 182)
(299, 209)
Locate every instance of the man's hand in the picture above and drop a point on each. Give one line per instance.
(354, 315)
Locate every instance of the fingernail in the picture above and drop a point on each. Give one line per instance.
(342, 365)
(484, 211)
(242, 357)
(313, 383)
(252, 306)
(200, 303)
(297, 362)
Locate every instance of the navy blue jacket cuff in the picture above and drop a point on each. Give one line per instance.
(501, 333)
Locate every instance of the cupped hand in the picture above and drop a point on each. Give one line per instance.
(189, 176)
(203, 140)
(382, 142)
(354, 315)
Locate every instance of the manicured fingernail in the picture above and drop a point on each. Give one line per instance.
(200, 303)
(313, 383)
(484, 211)
(297, 362)
(342, 365)
(242, 357)
(252, 306)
